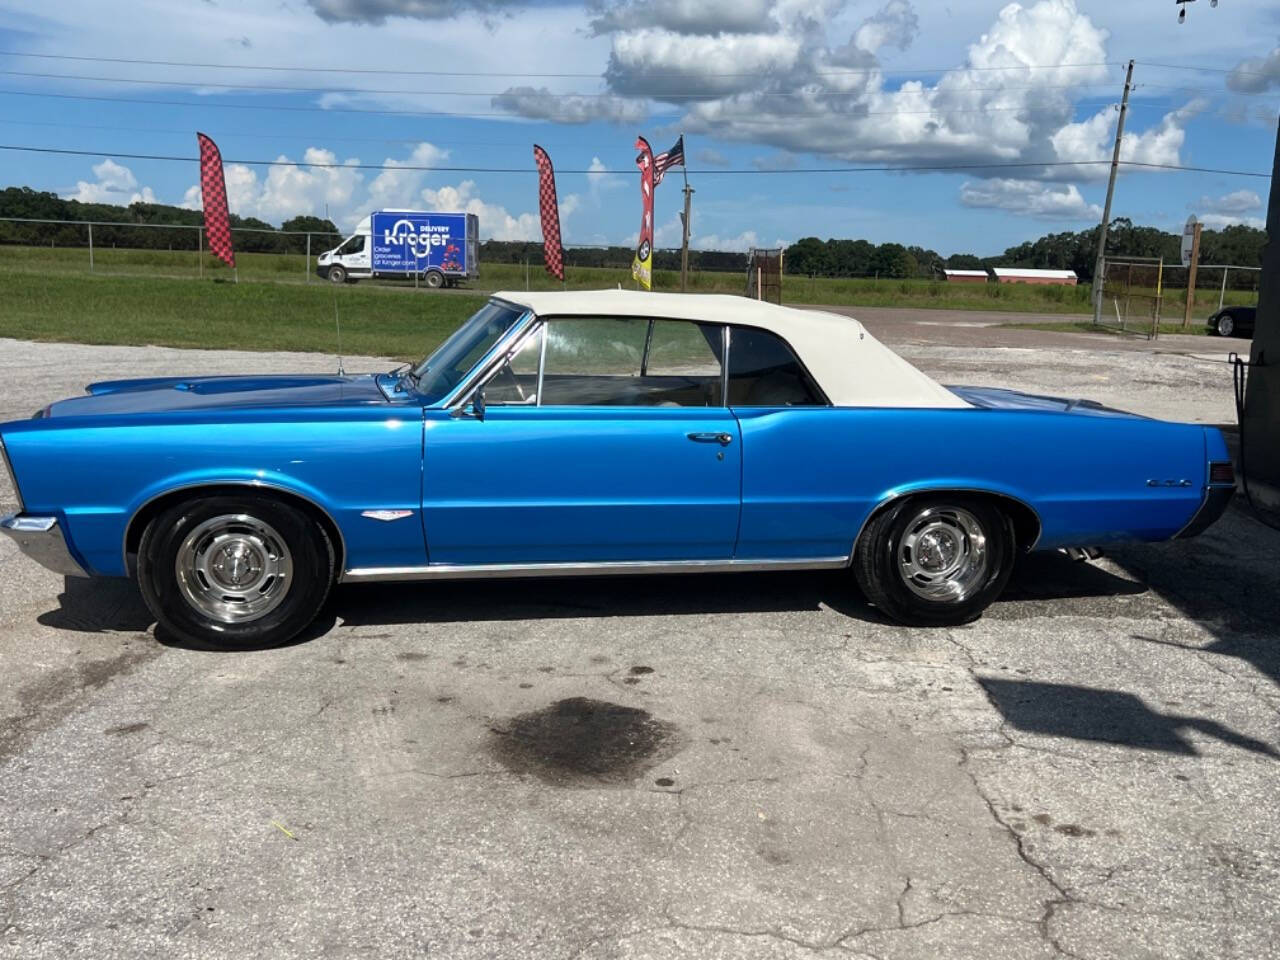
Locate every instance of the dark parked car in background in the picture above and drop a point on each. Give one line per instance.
(1233, 321)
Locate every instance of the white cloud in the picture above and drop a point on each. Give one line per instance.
(377, 11)
(896, 24)
(1030, 198)
(1256, 74)
(713, 241)
(115, 183)
(1230, 209)
(711, 158)
(542, 104)
(1095, 138)
(396, 186)
(680, 16)
(496, 222)
(1217, 221)
(1238, 201)
(289, 189)
(601, 178)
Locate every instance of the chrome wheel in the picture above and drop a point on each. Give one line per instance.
(234, 568)
(1226, 325)
(943, 555)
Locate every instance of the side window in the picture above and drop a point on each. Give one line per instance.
(683, 364)
(593, 362)
(632, 362)
(354, 245)
(516, 381)
(763, 372)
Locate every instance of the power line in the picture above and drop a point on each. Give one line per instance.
(1187, 66)
(383, 71)
(290, 108)
(509, 115)
(266, 88)
(1001, 165)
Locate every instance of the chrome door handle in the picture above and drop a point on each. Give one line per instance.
(724, 439)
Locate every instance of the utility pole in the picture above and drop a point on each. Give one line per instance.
(684, 220)
(1191, 276)
(1099, 266)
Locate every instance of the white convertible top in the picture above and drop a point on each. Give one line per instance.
(853, 368)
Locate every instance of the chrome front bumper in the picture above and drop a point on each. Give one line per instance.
(41, 539)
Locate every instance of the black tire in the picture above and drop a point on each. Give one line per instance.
(337, 275)
(434, 279)
(1225, 325)
(881, 562)
(292, 600)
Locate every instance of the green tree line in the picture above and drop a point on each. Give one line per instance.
(1238, 245)
(23, 202)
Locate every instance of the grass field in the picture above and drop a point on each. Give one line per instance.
(162, 297)
(246, 316)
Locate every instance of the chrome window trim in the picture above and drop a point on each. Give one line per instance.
(500, 571)
(248, 484)
(13, 477)
(535, 329)
(468, 384)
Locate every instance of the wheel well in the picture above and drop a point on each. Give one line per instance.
(1026, 522)
(153, 508)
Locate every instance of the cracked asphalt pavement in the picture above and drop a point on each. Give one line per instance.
(719, 767)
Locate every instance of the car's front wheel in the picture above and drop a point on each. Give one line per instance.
(235, 571)
(337, 275)
(1226, 325)
(935, 561)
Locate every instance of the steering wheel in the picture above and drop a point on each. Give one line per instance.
(515, 381)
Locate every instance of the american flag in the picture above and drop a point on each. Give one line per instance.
(665, 161)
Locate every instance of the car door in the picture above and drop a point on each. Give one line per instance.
(602, 441)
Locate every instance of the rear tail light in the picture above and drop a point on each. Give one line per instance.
(1222, 471)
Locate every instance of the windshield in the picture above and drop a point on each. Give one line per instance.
(453, 359)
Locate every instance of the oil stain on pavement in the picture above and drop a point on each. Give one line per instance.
(581, 742)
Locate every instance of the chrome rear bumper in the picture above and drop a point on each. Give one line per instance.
(41, 539)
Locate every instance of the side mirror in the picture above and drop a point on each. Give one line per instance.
(477, 404)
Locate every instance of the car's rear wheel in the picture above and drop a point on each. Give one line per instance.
(935, 560)
(235, 571)
(337, 275)
(1226, 325)
(434, 279)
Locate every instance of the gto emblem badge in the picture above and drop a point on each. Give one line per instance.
(1168, 483)
(387, 515)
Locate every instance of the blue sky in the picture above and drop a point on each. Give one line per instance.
(754, 84)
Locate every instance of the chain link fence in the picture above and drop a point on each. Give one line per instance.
(160, 250)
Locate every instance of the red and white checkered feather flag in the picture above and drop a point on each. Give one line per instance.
(213, 193)
(552, 250)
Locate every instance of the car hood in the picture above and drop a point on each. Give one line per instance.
(997, 398)
(166, 394)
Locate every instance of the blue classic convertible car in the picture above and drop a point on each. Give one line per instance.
(565, 434)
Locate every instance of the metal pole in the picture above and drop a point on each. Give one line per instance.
(684, 220)
(307, 266)
(1191, 277)
(91, 248)
(200, 250)
(1222, 294)
(1099, 262)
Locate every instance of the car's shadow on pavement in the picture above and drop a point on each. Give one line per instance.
(102, 605)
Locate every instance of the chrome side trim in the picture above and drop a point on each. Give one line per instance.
(248, 485)
(498, 571)
(13, 477)
(41, 539)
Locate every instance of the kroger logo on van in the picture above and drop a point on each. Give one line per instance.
(419, 238)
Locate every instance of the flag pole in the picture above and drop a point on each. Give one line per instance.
(684, 219)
